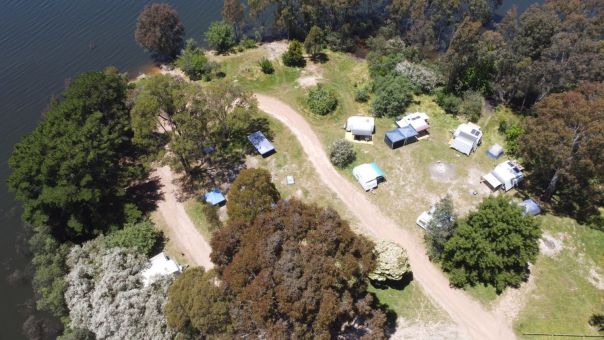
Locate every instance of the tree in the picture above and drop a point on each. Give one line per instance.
(73, 171)
(341, 153)
(105, 294)
(252, 192)
(492, 245)
(424, 78)
(158, 29)
(141, 236)
(293, 57)
(198, 302)
(471, 106)
(194, 63)
(314, 42)
(298, 271)
(392, 97)
(221, 36)
(561, 147)
(392, 262)
(232, 13)
(321, 100)
(441, 227)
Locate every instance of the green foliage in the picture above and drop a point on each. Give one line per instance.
(440, 229)
(492, 245)
(76, 334)
(194, 63)
(597, 321)
(252, 192)
(159, 30)
(266, 66)
(141, 236)
(471, 106)
(341, 153)
(221, 36)
(321, 100)
(297, 271)
(248, 43)
(448, 102)
(315, 41)
(197, 304)
(392, 96)
(211, 214)
(361, 94)
(294, 57)
(73, 171)
(511, 132)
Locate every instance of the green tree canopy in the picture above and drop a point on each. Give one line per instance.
(315, 41)
(492, 245)
(252, 192)
(322, 100)
(140, 236)
(72, 172)
(442, 226)
(392, 96)
(194, 63)
(158, 29)
(221, 36)
(294, 56)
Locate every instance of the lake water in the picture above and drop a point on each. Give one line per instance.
(42, 44)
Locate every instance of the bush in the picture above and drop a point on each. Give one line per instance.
(425, 78)
(322, 101)
(471, 106)
(211, 214)
(252, 192)
(361, 95)
(220, 36)
(448, 102)
(142, 237)
(248, 43)
(266, 66)
(341, 153)
(511, 132)
(294, 57)
(193, 61)
(392, 97)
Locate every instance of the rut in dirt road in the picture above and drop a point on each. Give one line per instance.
(473, 320)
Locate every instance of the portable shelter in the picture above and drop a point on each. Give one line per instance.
(467, 137)
(214, 197)
(261, 143)
(530, 207)
(506, 175)
(361, 126)
(495, 151)
(417, 120)
(159, 265)
(401, 136)
(368, 175)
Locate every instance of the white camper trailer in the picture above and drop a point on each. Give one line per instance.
(467, 138)
(361, 127)
(506, 175)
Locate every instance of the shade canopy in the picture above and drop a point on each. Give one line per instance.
(401, 136)
(261, 143)
(214, 197)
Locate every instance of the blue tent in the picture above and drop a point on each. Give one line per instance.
(262, 145)
(401, 136)
(214, 197)
(530, 207)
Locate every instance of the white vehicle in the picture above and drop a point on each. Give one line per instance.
(368, 175)
(425, 218)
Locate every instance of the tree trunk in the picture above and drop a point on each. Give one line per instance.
(551, 187)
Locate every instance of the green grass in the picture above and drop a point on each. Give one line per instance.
(195, 211)
(563, 298)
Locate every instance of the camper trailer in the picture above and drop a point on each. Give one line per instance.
(466, 138)
(506, 175)
(368, 175)
(361, 127)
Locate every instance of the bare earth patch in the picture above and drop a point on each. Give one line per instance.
(442, 172)
(596, 278)
(275, 49)
(550, 245)
(310, 76)
(407, 329)
(513, 300)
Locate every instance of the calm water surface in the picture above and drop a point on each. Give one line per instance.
(42, 44)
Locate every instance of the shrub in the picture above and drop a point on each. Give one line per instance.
(361, 95)
(220, 36)
(315, 41)
(511, 132)
(341, 153)
(392, 97)
(322, 101)
(211, 214)
(471, 106)
(425, 78)
(142, 237)
(252, 192)
(448, 102)
(294, 57)
(193, 62)
(266, 66)
(248, 43)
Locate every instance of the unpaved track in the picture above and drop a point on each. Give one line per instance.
(473, 320)
(182, 230)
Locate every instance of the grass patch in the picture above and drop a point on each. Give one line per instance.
(194, 209)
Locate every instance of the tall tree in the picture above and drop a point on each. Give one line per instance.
(492, 245)
(441, 227)
(563, 145)
(73, 171)
(221, 36)
(159, 30)
(252, 193)
(313, 44)
(232, 13)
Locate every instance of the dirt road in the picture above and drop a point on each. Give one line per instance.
(473, 320)
(182, 230)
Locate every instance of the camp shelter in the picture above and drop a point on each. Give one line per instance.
(361, 127)
(264, 147)
(401, 136)
(368, 175)
(495, 151)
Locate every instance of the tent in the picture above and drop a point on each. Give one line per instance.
(495, 151)
(466, 138)
(261, 143)
(530, 207)
(368, 175)
(361, 126)
(214, 197)
(159, 265)
(401, 136)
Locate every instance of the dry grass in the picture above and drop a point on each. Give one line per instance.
(170, 248)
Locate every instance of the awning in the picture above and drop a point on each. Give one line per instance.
(491, 180)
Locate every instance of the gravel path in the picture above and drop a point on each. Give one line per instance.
(473, 320)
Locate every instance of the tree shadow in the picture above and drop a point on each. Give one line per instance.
(320, 58)
(145, 195)
(394, 284)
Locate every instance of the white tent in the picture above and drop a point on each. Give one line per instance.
(417, 120)
(360, 126)
(159, 265)
(466, 138)
(506, 175)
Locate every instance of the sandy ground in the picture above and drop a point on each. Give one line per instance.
(472, 319)
(182, 230)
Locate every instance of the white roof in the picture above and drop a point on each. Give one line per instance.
(506, 171)
(360, 125)
(470, 129)
(492, 180)
(418, 120)
(159, 265)
(463, 144)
